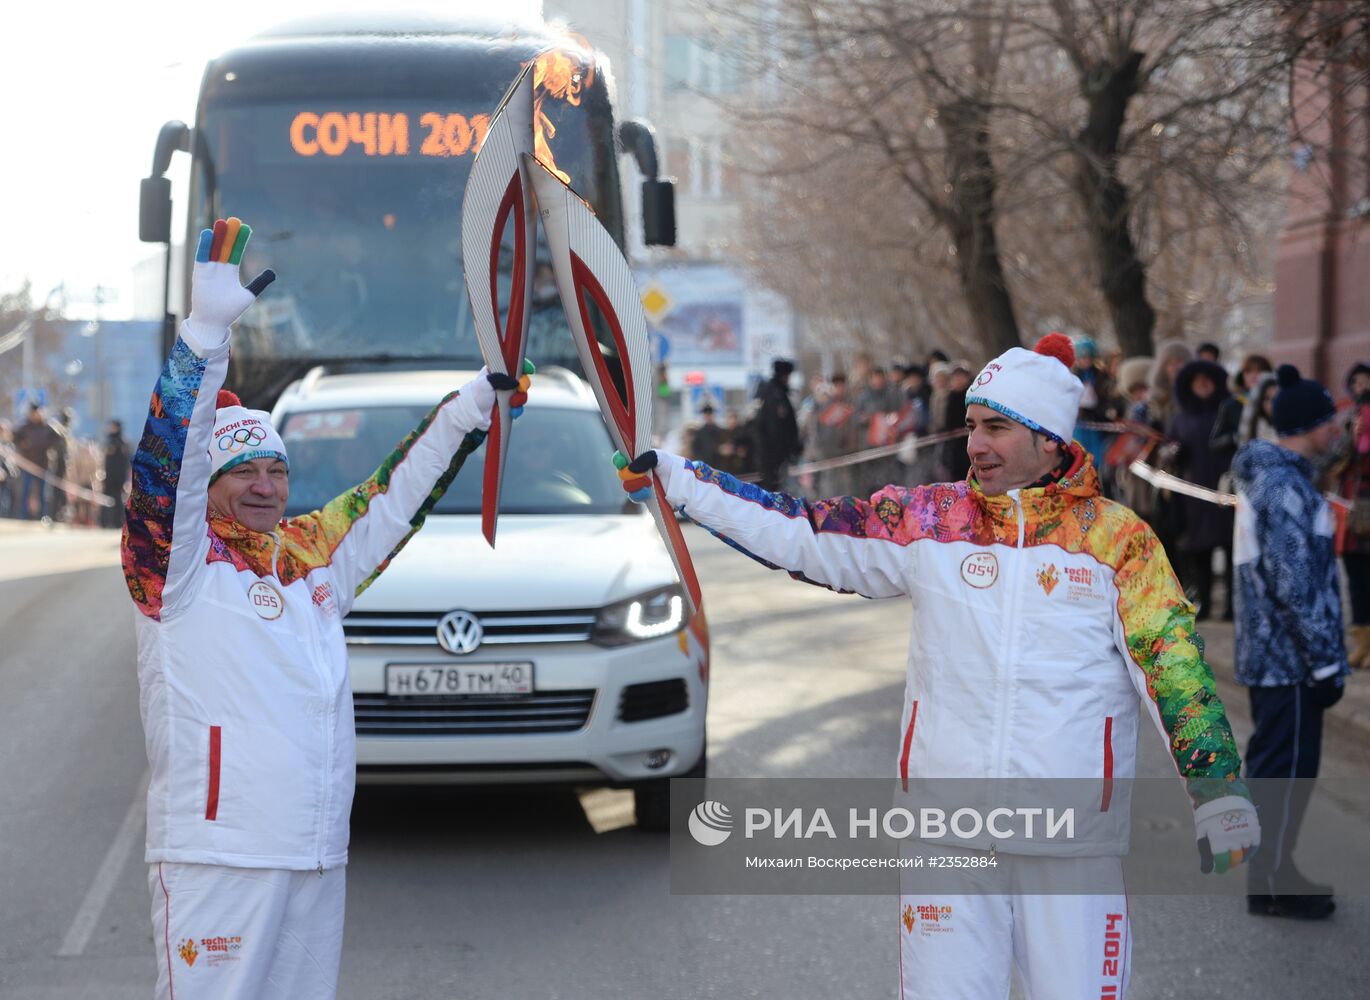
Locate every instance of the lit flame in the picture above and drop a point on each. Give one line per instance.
(561, 74)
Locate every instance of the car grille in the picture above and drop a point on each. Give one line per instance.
(652, 701)
(542, 712)
(404, 628)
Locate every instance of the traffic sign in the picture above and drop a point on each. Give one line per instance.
(660, 346)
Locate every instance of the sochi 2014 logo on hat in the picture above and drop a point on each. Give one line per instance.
(986, 376)
(236, 437)
(711, 823)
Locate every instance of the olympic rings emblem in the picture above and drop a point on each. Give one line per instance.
(244, 437)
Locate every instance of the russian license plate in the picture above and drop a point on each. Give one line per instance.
(417, 679)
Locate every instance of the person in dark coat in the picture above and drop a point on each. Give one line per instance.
(1227, 431)
(116, 475)
(34, 440)
(1290, 654)
(735, 453)
(708, 436)
(776, 436)
(954, 417)
(1200, 389)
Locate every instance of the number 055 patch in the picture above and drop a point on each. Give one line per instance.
(266, 600)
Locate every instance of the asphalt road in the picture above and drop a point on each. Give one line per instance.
(543, 894)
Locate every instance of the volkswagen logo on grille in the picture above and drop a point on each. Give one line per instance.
(459, 632)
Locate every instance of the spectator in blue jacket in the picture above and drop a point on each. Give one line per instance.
(1290, 651)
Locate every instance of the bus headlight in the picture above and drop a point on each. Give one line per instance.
(648, 616)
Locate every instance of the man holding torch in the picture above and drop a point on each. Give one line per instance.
(242, 667)
(1046, 623)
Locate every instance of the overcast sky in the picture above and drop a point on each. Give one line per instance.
(84, 89)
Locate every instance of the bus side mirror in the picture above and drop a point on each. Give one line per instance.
(154, 194)
(154, 210)
(658, 194)
(658, 213)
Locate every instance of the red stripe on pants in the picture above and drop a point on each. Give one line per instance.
(212, 800)
(166, 933)
(1108, 763)
(908, 741)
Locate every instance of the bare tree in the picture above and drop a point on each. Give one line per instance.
(1070, 139)
(880, 104)
(20, 319)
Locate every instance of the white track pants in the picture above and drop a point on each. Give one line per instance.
(1065, 947)
(254, 933)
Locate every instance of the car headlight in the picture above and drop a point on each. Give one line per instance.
(648, 616)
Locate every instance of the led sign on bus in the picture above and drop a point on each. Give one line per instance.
(378, 133)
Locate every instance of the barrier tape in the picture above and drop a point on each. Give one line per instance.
(65, 485)
(1139, 467)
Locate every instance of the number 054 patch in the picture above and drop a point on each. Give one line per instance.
(980, 570)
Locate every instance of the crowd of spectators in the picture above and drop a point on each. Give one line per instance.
(1186, 413)
(50, 473)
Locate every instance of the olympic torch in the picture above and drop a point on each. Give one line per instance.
(498, 198)
(591, 270)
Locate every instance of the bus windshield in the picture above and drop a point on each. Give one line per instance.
(356, 204)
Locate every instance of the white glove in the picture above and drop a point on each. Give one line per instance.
(217, 295)
(1228, 832)
(478, 397)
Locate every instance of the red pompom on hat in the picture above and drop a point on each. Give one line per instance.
(227, 398)
(1058, 346)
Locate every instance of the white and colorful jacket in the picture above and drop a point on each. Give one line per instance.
(1039, 617)
(242, 665)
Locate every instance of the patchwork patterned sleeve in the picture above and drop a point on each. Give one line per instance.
(360, 531)
(1157, 637)
(165, 539)
(847, 544)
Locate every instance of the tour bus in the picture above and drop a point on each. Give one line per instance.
(346, 142)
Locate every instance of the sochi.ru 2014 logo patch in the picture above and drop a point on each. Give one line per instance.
(188, 952)
(266, 600)
(980, 570)
(322, 597)
(1048, 577)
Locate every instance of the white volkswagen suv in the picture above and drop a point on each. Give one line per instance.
(558, 656)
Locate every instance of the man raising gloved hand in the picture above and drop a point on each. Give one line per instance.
(242, 666)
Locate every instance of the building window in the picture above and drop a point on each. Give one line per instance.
(679, 161)
(692, 63)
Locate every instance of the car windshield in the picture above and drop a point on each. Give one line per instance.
(558, 460)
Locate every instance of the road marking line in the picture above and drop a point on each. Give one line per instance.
(97, 896)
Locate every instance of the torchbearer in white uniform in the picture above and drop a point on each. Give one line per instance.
(1046, 624)
(242, 666)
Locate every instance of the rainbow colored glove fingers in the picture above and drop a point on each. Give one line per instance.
(500, 382)
(224, 244)
(520, 396)
(636, 481)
